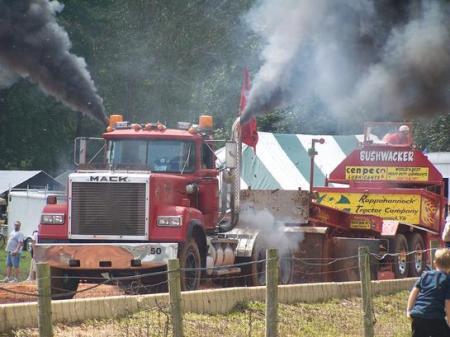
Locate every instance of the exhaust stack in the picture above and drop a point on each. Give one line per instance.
(231, 178)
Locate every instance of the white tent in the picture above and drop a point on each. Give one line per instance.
(281, 161)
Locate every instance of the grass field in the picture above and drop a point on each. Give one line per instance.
(25, 260)
(329, 319)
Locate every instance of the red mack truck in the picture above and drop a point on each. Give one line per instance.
(159, 195)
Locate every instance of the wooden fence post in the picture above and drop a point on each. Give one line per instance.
(271, 293)
(175, 297)
(44, 300)
(366, 291)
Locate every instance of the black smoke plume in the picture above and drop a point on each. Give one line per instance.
(33, 45)
(384, 59)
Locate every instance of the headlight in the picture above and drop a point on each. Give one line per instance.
(52, 219)
(169, 221)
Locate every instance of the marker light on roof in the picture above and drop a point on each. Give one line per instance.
(114, 119)
(205, 122)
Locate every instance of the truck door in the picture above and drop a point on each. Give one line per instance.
(208, 194)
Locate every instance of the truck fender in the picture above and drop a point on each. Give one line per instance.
(195, 231)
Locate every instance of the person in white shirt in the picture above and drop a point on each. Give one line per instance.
(14, 248)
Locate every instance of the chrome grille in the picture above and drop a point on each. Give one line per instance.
(108, 209)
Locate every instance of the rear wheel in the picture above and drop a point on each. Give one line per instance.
(417, 260)
(190, 265)
(286, 268)
(258, 266)
(400, 249)
(64, 285)
(257, 270)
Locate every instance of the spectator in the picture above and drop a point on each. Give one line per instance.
(401, 137)
(446, 232)
(14, 248)
(32, 273)
(429, 300)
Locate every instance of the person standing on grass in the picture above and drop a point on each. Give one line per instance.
(429, 300)
(14, 248)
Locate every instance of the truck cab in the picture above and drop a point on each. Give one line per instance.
(153, 198)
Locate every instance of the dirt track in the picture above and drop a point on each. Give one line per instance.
(30, 287)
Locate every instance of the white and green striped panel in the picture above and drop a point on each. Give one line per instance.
(282, 162)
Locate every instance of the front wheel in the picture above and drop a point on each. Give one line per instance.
(190, 265)
(63, 284)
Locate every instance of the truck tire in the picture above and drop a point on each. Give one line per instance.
(27, 245)
(417, 261)
(400, 260)
(257, 275)
(286, 268)
(63, 284)
(190, 264)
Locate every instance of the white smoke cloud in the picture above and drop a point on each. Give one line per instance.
(412, 77)
(381, 57)
(271, 229)
(7, 77)
(55, 7)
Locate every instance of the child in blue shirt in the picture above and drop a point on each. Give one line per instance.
(429, 300)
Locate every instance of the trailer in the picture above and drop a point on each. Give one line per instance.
(398, 183)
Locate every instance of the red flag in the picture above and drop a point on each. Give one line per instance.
(249, 133)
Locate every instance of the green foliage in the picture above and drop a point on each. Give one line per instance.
(150, 60)
(434, 134)
(160, 60)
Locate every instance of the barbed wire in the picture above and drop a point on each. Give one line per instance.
(240, 264)
(383, 256)
(325, 272)
(333, 260)
(18, 292)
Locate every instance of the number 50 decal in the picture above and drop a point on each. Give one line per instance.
(155, 251)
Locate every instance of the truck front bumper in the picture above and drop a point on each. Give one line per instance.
(105, 255)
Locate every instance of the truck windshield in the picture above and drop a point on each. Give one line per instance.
(155, 155)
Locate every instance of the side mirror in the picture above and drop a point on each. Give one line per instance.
(89, 151)
(80, 149)
(230, 155)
